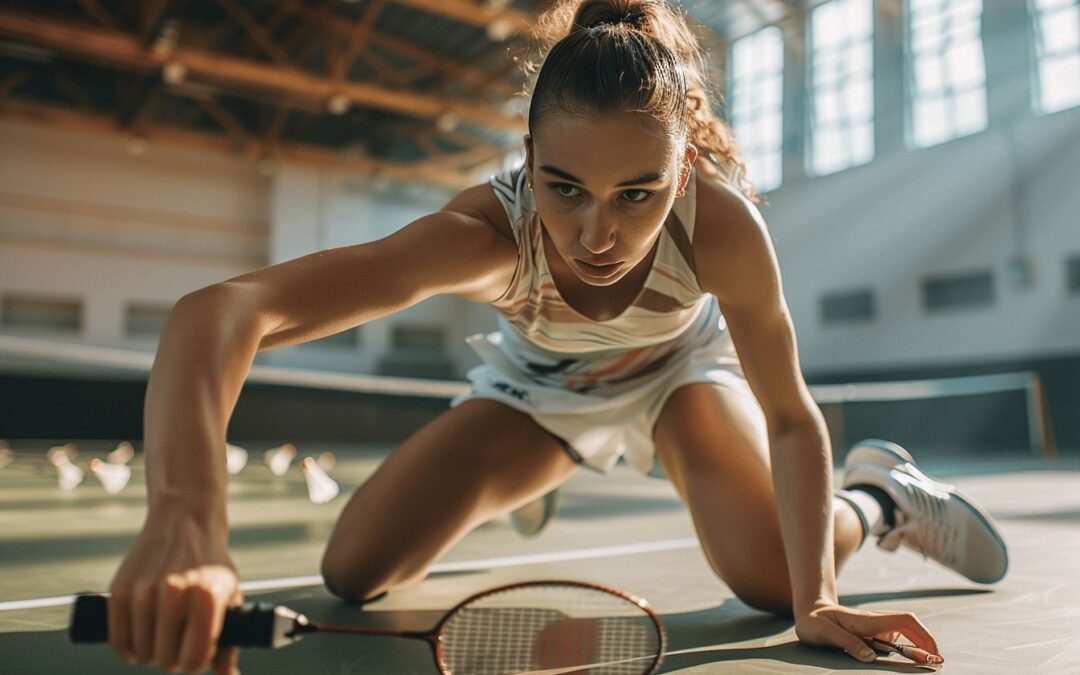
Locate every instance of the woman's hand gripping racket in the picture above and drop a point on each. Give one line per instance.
(538, 626)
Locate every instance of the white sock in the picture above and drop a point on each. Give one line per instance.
(867, 509)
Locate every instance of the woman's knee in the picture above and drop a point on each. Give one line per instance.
(764, 594)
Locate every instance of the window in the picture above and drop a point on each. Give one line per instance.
(848, 306)
(757, 89)
(142, 320)
(946, 70)
(1072, 275)
(346, 340)
(1057, 53)
(958, 291)
(842, 82)
(38, 313)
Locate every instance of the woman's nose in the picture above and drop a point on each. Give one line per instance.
(597, 236)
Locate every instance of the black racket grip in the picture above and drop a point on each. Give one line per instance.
(250, 625)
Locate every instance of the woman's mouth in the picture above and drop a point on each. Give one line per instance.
(598, 271)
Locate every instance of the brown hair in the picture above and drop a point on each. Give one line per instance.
(596, 56)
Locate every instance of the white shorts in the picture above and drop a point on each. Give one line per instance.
(606, 423)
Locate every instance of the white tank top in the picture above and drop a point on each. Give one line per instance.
(549, 339)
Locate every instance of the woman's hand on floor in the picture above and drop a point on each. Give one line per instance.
(838, 626)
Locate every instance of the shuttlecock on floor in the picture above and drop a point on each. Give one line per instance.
(6, 455)
(235, 458)
(279, 458)
(59, 454)
(68, 476)
(326, 461)
(321, 487)
(122, 454)
(113, 477)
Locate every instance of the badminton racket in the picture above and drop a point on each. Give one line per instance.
(545, 627)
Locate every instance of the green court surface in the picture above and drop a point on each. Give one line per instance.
(621, 530)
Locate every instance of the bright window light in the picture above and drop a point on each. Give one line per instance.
(842, 82)
(757, 67)
(1057, 52)
(946, 70)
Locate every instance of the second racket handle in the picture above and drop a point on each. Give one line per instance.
(250, 625)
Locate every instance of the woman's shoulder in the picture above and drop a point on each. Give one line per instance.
(728, 226)
(481, 202)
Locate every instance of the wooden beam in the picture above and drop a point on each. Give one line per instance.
(357, 41)
(256, 32)
(469, 13)
(123, 51)
(99, 13)
(356, 163)
(227, 121)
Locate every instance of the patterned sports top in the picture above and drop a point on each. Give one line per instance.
(551, 341)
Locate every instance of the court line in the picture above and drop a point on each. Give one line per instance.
(452, 566)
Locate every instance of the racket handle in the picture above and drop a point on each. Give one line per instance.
(249, 625)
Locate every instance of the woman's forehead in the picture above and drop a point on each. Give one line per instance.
(598, 144)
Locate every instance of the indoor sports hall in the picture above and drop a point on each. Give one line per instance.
(916, 164)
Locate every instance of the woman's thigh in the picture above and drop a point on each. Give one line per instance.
(713, 444)
(471, 463)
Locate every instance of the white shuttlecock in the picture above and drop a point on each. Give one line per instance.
(122, 454)
(326, 461)
(59, 454)
(279, 458)
(68, 476)
(6, 455)
(321, 487)
(113, 477)
(235, 458)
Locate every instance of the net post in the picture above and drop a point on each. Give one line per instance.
(1040, 427)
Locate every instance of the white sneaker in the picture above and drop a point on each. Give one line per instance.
(531, 519)
(932, 517)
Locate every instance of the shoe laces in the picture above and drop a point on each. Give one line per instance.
(924, 525)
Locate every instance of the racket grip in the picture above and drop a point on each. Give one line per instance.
(249, 625)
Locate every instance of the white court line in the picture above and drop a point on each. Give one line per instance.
(455, 566)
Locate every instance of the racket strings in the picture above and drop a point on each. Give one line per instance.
(544, 627)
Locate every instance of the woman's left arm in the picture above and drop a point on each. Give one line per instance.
(735, 261)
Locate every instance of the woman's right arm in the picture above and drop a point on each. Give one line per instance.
(169, 596)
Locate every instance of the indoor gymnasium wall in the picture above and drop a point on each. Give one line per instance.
(84, 220)
(1004, 200)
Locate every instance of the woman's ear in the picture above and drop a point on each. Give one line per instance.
(689, 158)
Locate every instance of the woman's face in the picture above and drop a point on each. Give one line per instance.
(603, 187)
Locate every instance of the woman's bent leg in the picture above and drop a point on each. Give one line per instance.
(471, 463)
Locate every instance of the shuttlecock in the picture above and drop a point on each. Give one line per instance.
(326, 461)
(321, 487)
(279, 458)
(113, 477)
(68, 476)
(59, 454)
(235, 458)
(6, 455)
(122, 454)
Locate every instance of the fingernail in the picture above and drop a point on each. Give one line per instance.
(867, 655)
(934, 659)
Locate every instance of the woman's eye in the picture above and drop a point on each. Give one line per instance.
(564, 189)
(637, 195)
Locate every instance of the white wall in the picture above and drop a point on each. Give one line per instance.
(973, 203)
(82, 217)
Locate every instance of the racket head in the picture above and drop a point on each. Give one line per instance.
(550, 625)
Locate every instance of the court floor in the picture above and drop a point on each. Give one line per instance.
(621, 530)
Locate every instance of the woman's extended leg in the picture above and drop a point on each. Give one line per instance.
(712, 443)
(471, 463)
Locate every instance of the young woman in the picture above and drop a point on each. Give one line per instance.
(641, 315)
